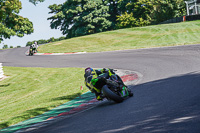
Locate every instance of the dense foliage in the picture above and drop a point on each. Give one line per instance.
(82, 17)
(145, 12)
(11, 23)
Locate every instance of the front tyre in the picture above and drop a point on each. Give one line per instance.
(111, 95)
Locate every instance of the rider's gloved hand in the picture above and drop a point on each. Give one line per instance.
(112, 71)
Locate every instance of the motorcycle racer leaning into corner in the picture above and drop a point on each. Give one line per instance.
(91, 77)
(33, 47)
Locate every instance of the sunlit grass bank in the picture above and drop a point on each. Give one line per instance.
(27, 92)
(132, 38)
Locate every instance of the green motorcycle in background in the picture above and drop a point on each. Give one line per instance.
(32, 51)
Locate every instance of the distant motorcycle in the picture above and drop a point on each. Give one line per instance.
(113, 89)
(31, 52)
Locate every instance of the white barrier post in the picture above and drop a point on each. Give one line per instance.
(1, 71)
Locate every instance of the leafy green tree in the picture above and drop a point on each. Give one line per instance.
(5, 46)
(28, 43)
(42, 41)
(52, 39)
(11, 46)
(137, 13)
(162, 10)
(80, 17)
(156, 11)
(145, 12)
(61, 38)
(36, 1)
(11, 23)
(128, 20)
(116, 9)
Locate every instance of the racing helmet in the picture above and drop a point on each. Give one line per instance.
(88, 74)
(88, 69)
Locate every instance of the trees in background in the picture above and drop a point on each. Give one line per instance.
(43, 41)
(82, 17)
(11, 23)
(5, 46)
(145, 12)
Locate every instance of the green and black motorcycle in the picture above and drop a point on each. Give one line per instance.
(113, 88)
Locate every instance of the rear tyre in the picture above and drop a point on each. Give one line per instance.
(30, 52)
(111, 95)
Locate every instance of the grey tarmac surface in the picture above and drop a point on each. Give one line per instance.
(166, 99)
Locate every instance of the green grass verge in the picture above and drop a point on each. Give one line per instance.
(28, 92)
(131, 38)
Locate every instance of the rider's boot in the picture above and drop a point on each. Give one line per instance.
(130, 93)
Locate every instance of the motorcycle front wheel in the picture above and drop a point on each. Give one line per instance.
(111, 95)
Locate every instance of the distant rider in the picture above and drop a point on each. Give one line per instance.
(34, 47)
(30, 49)
(91, 74)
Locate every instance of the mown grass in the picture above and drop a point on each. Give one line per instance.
(131, 38)
(28, 92)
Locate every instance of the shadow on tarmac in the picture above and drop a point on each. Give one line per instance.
(166, 105)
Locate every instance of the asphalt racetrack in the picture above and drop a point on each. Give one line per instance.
(167, 99)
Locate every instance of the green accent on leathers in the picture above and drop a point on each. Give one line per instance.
(93, 81)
